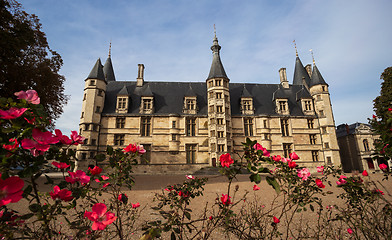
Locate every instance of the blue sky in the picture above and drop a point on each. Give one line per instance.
(351, 41)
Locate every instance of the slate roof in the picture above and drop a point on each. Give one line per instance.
(169, 97)
(316, 77)
(300, 73)
(97, 71)
(108, 70)
(216, 70)
(345, 129)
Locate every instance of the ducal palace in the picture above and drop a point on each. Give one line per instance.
(185, 126)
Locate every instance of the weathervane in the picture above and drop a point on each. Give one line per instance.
(295, 45)
(311, 52)
(110, 48)
(214, 31)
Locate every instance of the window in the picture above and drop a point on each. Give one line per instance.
(212, 147)
(321, 113)
(282, 106)
(91, 154)
(121, 103)
(219, 95)
(95, 127)
(329, 161)
(318, 97)
(265, 123)
(220, 121)
(92, 83)
(326, 145)
(221, 147)
(218, 82)
(248, 126)
(308, 105)
(284, 124)
(85, 141)
(190, 126)
(84, 156)
(211, 108)
(312, 138)
(246, 105)
(146, 157)
(147, 103)
(190, 104)
(86, 126)
(219, 109)
(310, 123)
(94, 142)
(174, 137)
(82, 116)
(146, 126)
(120, 122)
(315, 156)
(100, 93)
(324, 129)
(98, 109)
(220, 134)
(174, 124)
(286, 149)
(190, 153)
(366, 145)
(210, 83)
(80, 131)
(323, 88)
(118, 139)
(212, 133)
(266, 136)
(84, 97)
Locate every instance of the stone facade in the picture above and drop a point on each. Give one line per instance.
(185, 126)
(356, 143)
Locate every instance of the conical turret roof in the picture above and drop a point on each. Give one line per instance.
(317, 79)
(300, 73)
(97, 71)
(108, 70)
(217, 70)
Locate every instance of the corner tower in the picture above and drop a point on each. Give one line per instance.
(90, 119)
(322, 103)
(219, 110)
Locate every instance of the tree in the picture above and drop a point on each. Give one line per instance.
(26, 60)
(382, 122)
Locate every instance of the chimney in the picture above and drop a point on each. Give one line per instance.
(140, 75)
(283, 78)
(308, 68)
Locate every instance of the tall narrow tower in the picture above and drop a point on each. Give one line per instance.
(90, 119)
(219, 111)
(323, 107)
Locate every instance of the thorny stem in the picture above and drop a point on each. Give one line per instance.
(36, 196)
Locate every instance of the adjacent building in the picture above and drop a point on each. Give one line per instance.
(185, 126)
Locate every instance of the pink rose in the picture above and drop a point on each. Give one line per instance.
(226, 160)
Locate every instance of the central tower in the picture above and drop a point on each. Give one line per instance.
(219, 111)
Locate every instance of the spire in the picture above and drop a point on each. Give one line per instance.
(300, 73)
(217, 69)
(295, 46)
(97, 71)
(317, 79)
(311, 52)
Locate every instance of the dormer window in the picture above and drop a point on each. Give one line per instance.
(247, 106)
(190, 105)
(122, 104)
(307, 106)
(147, 105)
(282, 106)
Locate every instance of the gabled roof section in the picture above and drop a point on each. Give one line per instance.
(190, 92)
(281, 93)
(300, 73)
(217, 70)
(146, 92)
(108, 70)
(123, 91)
(97, 71)
(317, 79)
(303, 94)
(245, 93)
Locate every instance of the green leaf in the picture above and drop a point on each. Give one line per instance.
(100, 157)
(255, 177)
(272, 181)
(187, 215)
(109, 150)
(48, 180)
(172, 236)
(34, 207)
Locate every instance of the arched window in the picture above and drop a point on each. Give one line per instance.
(366, 145)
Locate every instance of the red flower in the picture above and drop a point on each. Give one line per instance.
(13, 146)
(350, 231)
(226, 160)
(136, 205)
(365, 173)
(225, 199)
(77, 139)
(210, 217)
(100, 216)
(135, 149)
(122, 197)
(61, 165)
(62, 138)
(342, 180)
(95, 171)
(41, 142)
(62, 194)
(319, 183)
(276, 158)
(276, 220)
(378, 191)
(293, 156)
(12, 113)
(30, 96)
(383, 166)
(256, 188)
(292, 164)
(77, 176)
(10, 190)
